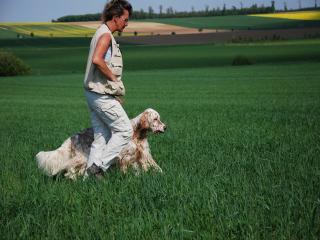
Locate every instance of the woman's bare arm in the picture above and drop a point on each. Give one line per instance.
(98, 56)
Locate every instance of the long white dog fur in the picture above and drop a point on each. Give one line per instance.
(72, 156)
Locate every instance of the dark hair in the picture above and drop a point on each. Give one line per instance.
(115, 8)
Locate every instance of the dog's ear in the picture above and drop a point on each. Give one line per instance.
(143, 122)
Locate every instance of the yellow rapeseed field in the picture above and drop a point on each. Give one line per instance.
(41, 29)
(303, 15)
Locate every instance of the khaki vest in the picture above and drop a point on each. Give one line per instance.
(94, 79)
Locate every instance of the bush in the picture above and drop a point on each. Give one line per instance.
(242, 60)
(11, 65)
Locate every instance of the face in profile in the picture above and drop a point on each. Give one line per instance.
(122, 21)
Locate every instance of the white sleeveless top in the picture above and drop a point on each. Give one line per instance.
(94, 79)
(107, 56)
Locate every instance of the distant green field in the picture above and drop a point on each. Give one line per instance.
(240, 155)
(7, 34)
(53, 56)
(236, 22)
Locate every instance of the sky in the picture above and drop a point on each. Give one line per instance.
(46, 10)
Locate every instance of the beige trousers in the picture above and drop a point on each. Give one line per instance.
(111, 126)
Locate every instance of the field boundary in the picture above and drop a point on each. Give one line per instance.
(149, 28)
(222, 37)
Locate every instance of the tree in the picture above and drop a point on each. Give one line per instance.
(169, 10)
(253, 8)
(160, 9)
(285, 6)
(273, 8)
(142, 14)
(11, 65)
(233, 10)
(150, 11)
(224, 9)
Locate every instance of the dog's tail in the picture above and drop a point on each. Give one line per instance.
(56, 161)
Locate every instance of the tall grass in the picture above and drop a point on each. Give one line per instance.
(240, 157)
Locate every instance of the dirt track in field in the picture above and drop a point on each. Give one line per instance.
(150, 33)
(151, 28)
(220, 37)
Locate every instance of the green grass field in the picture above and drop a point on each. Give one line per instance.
(53, 56)
(240, 156)
(236, 22)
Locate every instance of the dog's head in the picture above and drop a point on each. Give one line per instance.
(150, 120)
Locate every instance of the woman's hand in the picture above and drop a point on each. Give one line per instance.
(119, 99)
(114, 78)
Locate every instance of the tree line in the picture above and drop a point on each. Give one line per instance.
(171, 13)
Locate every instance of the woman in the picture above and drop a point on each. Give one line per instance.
(103, 89)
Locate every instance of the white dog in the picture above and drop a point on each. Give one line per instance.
(72, 156)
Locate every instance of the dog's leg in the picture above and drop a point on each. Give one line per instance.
(154, 164)
(78, 167)
(136, 168)
(125, 162)
(149, 161)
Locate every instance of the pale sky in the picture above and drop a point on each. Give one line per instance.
(45, 10)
